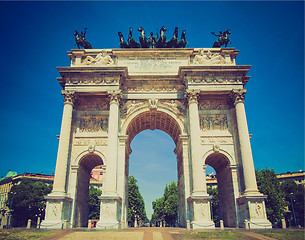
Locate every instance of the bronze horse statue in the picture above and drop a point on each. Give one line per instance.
(152, 41)
(131, 42)
(162, 40)
(142, 38)
(183, 41)
(223, 39)
(80, 40)
(173, 43)
(123, 44)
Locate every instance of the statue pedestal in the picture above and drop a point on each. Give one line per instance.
(200, 210)
(110, 212)
(57, 210)
(252, 208)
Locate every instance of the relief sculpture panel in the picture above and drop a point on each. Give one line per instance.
(218, 104)
(213, 122)
(93, 123)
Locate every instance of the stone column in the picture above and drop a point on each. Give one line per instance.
(110, 187)
(238, 96)
(199, 188)
(64, 142)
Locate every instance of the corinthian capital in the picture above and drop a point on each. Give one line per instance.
(114, 96)
(192, 95)
(238, 95)
(69, 96)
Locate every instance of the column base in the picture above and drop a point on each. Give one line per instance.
(200, 212)
(110, 212)
(252, 208)
(58, 210)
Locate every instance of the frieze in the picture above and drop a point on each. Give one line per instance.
(154, 89)
(90, 141)
(94, 81)
(213, 79)
(92, 103)
(93, 123)
(213, 122)
(213, 105)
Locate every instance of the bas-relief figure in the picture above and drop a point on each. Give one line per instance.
(206, 57)
(213, 122)
(93, 123)
(100, 59)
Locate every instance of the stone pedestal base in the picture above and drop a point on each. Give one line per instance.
(200, 211)
(110, 212)
(58, 210)
(252, 209)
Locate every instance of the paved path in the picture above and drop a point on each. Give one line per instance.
(128, 234)
(135, 234)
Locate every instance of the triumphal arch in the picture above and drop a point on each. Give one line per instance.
(195, 95)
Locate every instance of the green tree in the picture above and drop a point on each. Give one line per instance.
(136, 205)
(295, 193)
(158, 214)
(28, 201)
(166, 207)
(94, 203)
(215, 203)
(268, 184)
(171, 203)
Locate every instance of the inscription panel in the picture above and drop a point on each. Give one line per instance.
(167, 66)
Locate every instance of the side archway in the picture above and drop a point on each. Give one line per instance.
(222, 165)
(85, 165)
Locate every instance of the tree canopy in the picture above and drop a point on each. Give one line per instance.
(268, 184)
(166, 207)
(215, 203)
(136, 205)
(28, 201)
(294, 196)
(94, 202)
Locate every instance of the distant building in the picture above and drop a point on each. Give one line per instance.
(297, 177)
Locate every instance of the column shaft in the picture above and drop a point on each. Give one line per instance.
(245, 146)
(64, 142)
(199, 186)
(111, 168)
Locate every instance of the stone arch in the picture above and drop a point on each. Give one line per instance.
(86, 162)
(222, 163)
(145, 109)
(88, 152)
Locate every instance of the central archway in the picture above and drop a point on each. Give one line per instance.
(161, 120)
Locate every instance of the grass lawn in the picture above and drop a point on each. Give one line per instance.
(22, 234)
(217, 235)
(284, 234)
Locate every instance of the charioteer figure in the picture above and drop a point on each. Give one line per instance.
(223, 39)
(80, 39)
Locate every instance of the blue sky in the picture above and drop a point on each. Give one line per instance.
(35, 37)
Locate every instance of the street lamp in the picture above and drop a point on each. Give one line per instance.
(295, 220)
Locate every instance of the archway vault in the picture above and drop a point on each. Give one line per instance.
(153, 119)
